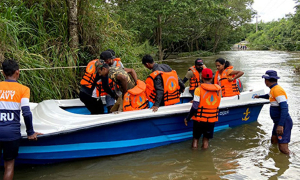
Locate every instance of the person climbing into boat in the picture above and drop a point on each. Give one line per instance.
(279, 112)
(14, 98)
(90, 91)
(194, 75)
(109, 57)
(163, 84)
(121, 78)
(205, 109)
(135, 98)
(226, 77)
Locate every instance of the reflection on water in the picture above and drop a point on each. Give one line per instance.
(244, 152)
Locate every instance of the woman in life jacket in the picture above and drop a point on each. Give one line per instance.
(226, 77)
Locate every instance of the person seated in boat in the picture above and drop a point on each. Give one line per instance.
(109, 57)
(91, 88)
(14, 98)
(121, 78)
(205, 109)
(163, 84)
(193, 75)
(279, 112)
(226, 77)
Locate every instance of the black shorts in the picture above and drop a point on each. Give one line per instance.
(205, 128)
(10, 149)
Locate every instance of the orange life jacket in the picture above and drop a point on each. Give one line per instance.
(135, 98)
(171, 87)
(118, 60)
(228, 88)
(195, 80)
(89, 75)
(210, 99)
(100, 91)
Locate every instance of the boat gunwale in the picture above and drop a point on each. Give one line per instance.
(137, 118)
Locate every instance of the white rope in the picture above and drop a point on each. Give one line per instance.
(71, 67)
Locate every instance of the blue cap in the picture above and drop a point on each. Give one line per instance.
(271, 74)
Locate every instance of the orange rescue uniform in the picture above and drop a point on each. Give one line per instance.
(210, 99)
(89, 75)
(228, 88)
(135, 98)
(195, 80)
(171, 87)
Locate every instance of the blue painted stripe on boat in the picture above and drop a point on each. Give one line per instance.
(219, 128)
(109, 145)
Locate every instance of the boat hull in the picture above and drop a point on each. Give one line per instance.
(126, 136)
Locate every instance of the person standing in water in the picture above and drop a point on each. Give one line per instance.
(279, 112)
(226, 78)
(205, 109)
(14, 98)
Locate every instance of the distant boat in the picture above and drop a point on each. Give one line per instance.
(69, 133)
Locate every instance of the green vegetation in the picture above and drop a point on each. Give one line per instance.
(41, 34)
(283, 34)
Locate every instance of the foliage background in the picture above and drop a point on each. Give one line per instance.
(35, 33)
(283, 34)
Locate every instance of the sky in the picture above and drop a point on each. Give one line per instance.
(269, 10)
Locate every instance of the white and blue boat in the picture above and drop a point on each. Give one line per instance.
(70, 133)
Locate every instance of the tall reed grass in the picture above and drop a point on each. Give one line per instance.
(35, 33)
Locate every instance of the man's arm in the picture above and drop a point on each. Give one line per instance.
(159, 88)
(194, 107)
(265, 96)
(283, 113)
(123, 83)
(237, 75)
(188, 76)
(27, 115)
(282, 101)
(132, 73)
(185, 80)
(193, 110)
(181, 84)
(106, 88)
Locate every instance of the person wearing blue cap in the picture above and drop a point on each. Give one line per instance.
(279, 112)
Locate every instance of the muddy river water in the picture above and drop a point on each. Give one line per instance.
(243, 152)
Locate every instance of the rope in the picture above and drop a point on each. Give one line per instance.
(71, 67)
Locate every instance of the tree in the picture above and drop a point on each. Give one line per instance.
(73, 28)
(174, 25)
